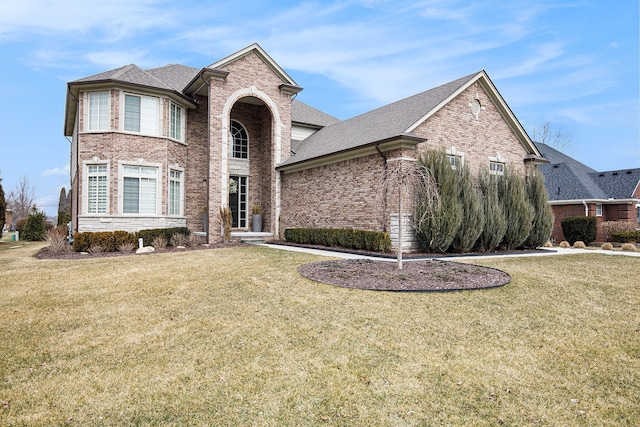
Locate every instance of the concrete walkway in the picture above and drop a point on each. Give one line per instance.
(543, 252)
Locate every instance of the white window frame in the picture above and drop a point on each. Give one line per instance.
(171, 180)
(124, 173)
(102, 114)
(86, 186)
(496, 171)
(180, 134)
(232, 148)
(149, 120)
(455, 158)
(598, 209)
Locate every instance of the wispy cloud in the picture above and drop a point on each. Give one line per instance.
(57, 171)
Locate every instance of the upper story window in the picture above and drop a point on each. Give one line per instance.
(141, 114)
(98, 111)
(239, 141)
(176, 122)
(97, 189)
(496, 168)
(598, 209)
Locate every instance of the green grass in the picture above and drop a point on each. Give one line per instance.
(237, 337)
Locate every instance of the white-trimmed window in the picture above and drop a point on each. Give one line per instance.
(141, 114)
(175, 192)
(97, 189)
(98, 111)
(454, 161)
(496, 168)
(176, 122)
(239, 141)
(139, 189)
(598, 209)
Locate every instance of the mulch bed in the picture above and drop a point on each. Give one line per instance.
(430, 275)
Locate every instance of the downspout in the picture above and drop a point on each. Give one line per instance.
(76, 194)
(208, 180)
(384, 186)
(586, 208)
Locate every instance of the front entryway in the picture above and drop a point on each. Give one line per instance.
(238, 202)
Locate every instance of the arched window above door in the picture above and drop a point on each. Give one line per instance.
(239, 141)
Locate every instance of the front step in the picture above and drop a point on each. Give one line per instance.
(251, 237)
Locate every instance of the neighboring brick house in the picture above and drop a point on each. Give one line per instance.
(160, 147)
(575, 189)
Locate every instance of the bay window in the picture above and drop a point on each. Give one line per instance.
(141, 114)
(139, 190)
(175, 192)
(98, 111)
(176, 122)
(97, 189)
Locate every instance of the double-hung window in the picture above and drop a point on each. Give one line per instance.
(98, 111)
(176, 122)
(175, 192)
(141, 114)
(97, 189)
(496, 168)
(139, 190)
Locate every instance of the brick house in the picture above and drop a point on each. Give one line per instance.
(575, 189)
(161, 147)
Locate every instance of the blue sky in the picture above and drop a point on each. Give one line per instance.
(572, 63)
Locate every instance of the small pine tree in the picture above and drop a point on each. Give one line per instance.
(542, 223)
(517, 210)
(3, 208)
(35, 227)
(63, 211)
(472, 213)
(495, 224)
(437, 225)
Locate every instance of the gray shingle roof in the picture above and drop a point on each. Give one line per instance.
(305, 114)
(568, 179)
(378, 125)
(131, 74)
(175, 75)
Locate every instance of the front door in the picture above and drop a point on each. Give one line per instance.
(238, 202)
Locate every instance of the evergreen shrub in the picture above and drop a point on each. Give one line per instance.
(542, 222)
(148, 236)
(472, 213)
(626, 236)
(582, 228)
(346, 238)
(495, 223)
(518, 212)
(35, 228)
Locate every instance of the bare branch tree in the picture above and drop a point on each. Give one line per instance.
(409, 179)
(22, 199)
(552, 136)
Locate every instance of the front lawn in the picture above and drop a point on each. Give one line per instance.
(237, 337)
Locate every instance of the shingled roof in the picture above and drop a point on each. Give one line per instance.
(568, 179)
(390, 121)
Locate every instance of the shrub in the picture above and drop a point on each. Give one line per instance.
(35, 228)
(579, 245)
(126, 248)
(609, 228)
(20, 225)
(160, 242)
(109, 241)
(542, 222)
(195, 240)
(606, 246)
(472, 213)
(57, 240)
(148, 236)
(96, 249)
(582, 228)
(178, 239)
(565, 244)
(227, 219)
(495, 223)
(630, 247)
(626, 236)
(437, 227)
(346, 238)
(518, 212)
